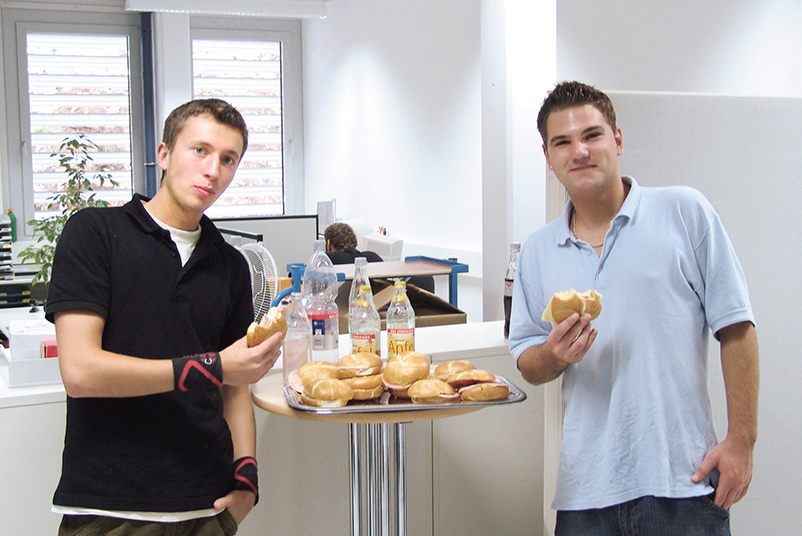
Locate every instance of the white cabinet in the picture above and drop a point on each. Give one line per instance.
(31, 441)
(488, 465)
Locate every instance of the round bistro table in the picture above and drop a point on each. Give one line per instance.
(378, 502)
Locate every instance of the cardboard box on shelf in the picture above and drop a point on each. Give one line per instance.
(430, 309)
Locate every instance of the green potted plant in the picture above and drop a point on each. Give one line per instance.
(77, 193)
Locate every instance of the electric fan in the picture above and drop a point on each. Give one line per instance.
(264, 277)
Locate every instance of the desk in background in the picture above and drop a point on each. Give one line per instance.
(409, 267)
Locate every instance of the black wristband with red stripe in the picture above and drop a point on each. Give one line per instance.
(246, 475)
(199, 371)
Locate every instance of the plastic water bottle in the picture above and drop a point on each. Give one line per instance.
(298, 341)
(400, 323)
(365, 324)
(509, 282)
(319, 291)
(360, 278)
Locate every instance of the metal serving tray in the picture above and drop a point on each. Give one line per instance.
(387, 403)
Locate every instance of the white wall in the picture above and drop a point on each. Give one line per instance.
(392, 117)
(392, 122)
(736, 47)
(419, 117)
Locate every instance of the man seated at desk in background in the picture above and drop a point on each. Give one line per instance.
(341, 248)
(341, 245)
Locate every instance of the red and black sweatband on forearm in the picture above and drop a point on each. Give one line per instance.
(199, 371)
(246, 475)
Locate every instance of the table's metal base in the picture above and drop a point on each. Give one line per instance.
(378, 495)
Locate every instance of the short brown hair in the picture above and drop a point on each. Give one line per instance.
(571, 94)
(341, 236)
(217, 109)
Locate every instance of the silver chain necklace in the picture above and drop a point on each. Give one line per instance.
(573, 223)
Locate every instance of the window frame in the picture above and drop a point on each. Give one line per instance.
(288, 32)
(16, 24)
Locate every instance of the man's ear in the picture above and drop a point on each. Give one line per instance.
(162, 155)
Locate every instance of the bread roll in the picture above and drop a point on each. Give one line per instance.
(484, 392)
(313, 371)
(272, 322)
(329, 393)
(470, 377)
(405, 370)
(366, 387)
(361, 364)
(564, 304)
(447, 368)
(431, 391)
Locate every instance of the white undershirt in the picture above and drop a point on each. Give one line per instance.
(185, 241)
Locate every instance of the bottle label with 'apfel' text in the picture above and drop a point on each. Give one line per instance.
(400, 341)
(364, 342)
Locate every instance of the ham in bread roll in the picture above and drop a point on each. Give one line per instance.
(478, 386)
(366, 387)
(564, 304)
(329, 393)
(272, 322)
(362, 371)
(401, 372)
(448, 368)
(309, 373)
(470, 377)
(360, 364)
(484, 392)
(432, 391)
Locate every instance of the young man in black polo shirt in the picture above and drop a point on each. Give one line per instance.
(151, 307)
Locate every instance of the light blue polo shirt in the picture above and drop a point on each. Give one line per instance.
(637, 419)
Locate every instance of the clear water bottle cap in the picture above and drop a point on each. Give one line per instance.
(319, 244)
(359, 261)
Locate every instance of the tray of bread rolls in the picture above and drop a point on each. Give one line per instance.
(364, 383)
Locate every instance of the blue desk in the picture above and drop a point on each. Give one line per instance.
(410, 266)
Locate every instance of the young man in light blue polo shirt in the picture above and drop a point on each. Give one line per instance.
(639, 452)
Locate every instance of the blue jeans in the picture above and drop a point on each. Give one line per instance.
(648, 516)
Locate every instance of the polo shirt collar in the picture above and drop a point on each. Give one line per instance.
(630, 205)
(135, 209)
(625, 213)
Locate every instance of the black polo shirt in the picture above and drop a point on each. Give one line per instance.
(169, 452)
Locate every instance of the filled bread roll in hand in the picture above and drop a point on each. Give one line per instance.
(564, 304)
(272, 322)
